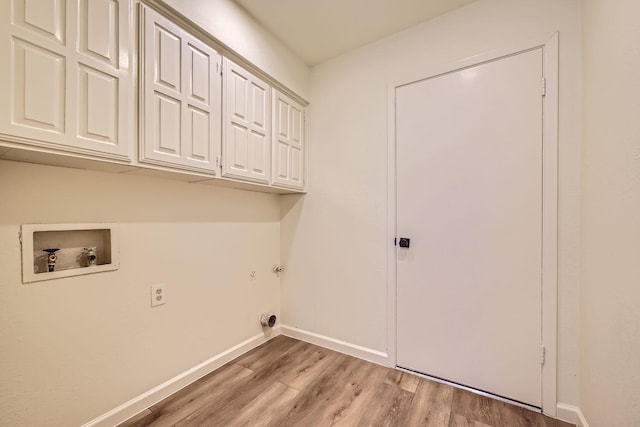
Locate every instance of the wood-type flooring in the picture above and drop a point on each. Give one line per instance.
(286, 382)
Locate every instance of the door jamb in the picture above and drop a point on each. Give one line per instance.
(550, 46)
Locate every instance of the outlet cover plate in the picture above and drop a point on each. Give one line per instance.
(158, 295)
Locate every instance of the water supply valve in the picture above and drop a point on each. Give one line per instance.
(51, 258)
(91, 255)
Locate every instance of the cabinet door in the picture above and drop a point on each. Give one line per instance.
(246, 125)
(67, 77)
(181, 97)
(288, 142)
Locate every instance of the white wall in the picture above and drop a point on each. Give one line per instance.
(232, 25)
(72, 349)
(334, 240)
(610, 292)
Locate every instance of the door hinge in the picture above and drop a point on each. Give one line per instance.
(542, 355)
(544, 86)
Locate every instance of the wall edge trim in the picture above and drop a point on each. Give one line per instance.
(571, 414)
(368, 354)
(141, 402)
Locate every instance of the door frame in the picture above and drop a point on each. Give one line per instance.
(550, 48)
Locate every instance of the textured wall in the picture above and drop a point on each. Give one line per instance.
(72, 349)
(610, 291)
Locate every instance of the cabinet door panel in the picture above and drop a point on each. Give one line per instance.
(98, 106)
(169, 123)
(283, 122)
(260, 105)
(182, 86)
(168, 59)
(39, 87)
(44, 17)
(246, 125)
(296, 125)
(282, 161)
(98, 35)
(259, 150)
(288, 135)
(199, 75)
(69, 92)
(198, 135)
(240, 144)
(296, 166)
(239, 97)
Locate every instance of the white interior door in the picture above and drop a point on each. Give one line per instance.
(469, 197)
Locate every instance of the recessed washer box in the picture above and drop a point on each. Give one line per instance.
(79, 249)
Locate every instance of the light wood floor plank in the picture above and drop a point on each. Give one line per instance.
(389, 407)
(310, 362)
(404, 380)
(191, 398)
(431, 404)
(290, 383)
(268, 352)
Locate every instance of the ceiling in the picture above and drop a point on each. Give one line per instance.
(317, 30)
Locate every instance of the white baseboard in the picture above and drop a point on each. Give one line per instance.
(166, 389)
(571, 414)
(354, 350)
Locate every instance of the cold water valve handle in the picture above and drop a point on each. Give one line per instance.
(51, 258)
(92, 257)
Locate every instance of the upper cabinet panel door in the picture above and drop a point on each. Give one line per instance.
(68, 70)
(246, 144)
(180, 98)
(45, 18)
(99, 32)
(288, 142)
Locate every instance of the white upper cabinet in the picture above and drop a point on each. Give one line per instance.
(246, 125)
(180, 97)
(288, 142)
(67, 80)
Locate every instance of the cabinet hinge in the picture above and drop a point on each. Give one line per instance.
(544, 86)
(218, 162)
(218, 68)
(542, 355)
(20, 237)
(395, 241)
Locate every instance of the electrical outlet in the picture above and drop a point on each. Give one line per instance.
(158, 295)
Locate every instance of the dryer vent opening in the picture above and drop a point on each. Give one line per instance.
(268, 319)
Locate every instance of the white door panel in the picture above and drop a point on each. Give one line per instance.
(469, 195)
